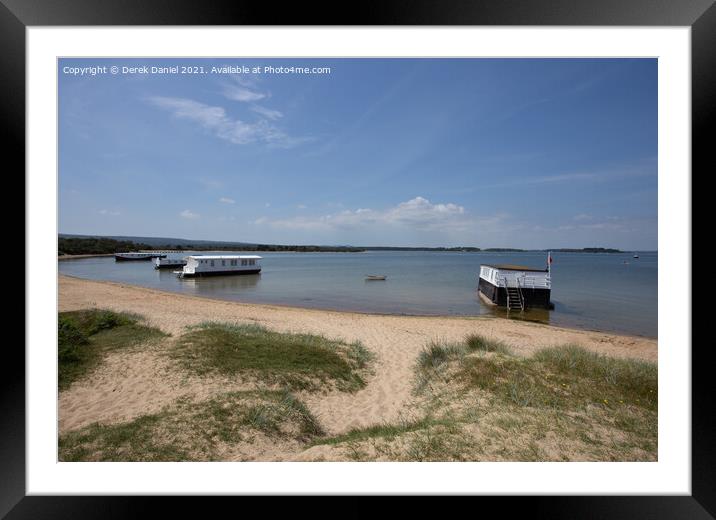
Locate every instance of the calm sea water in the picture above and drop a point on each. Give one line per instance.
(590, 291)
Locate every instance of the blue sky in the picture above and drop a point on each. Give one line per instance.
(528, 153)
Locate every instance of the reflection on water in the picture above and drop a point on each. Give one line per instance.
(591, 291)
(211, 285)
(165, 275)
(536, 315)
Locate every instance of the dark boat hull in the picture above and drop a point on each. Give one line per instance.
(535, 298)
(220, 273)
(123, 259)
(120, 258)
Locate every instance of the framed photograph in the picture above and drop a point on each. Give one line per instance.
(442, 251)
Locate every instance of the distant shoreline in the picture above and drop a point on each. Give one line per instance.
(80, 244)
(77, 257)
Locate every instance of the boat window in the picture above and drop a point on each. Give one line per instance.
(223, 262)
(251, 262)
(212, 263)
(244, 262)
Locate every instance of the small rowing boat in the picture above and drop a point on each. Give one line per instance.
(375, 277)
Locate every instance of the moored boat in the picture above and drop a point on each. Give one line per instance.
(165, 263)
(216, 265)
(516, 286)
(137, 255)
(375, 277)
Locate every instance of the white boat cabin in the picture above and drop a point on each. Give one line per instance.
(509, 275)
(161, 263)
(207, 265)
(516, 286)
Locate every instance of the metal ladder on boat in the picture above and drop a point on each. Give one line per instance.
(515, 300)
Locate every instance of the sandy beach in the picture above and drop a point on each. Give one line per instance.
(128, 385)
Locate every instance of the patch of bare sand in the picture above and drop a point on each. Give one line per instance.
(131, 383)
(138, 383)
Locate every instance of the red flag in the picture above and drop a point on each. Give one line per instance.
(549, 258)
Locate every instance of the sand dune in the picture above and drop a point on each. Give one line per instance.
(141, 381)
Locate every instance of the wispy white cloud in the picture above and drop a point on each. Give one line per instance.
(217, 121)
(420, 221)
(623, 227)
(588, 223)
(301, 206)
(546, 179)
(227, 200)
(211, 118)
(267, 112)
(644, 168)
(358, 124)
(241, 94)
(418, 214)
(109, 213)
(188, 214)
(539, 180)
(244, 80)
(242, 90)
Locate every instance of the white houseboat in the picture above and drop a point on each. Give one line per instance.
(211, 265)
(516, 286)
(137, 255)
(166, 262)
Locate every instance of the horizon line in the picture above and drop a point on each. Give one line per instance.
(516, 249)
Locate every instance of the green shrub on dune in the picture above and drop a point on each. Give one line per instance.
(85, 336)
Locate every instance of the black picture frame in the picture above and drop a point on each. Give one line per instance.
(700, 15)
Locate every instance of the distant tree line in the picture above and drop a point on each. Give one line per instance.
(274, 248)
(95, 246)
(390, 248)
(98, 245)
(586, 250)
(555, 250)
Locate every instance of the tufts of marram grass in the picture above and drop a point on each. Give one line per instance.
(296, 361)
(436, 354)
(201, 431)
(85, 336)
(563, 377)
(630, 379)
(482, 402)
(478, 343)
